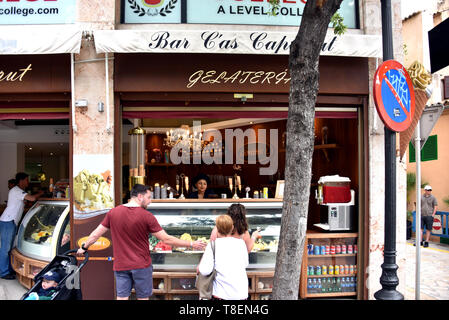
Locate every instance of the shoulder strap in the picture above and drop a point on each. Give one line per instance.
(212, 245)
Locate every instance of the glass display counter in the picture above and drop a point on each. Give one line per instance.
(43, 233)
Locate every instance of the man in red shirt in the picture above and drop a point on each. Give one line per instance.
(130, 225)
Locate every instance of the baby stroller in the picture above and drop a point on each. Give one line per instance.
(69, 287)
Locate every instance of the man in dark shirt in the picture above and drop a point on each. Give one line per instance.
(130, 225)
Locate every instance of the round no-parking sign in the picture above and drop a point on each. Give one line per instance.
(394, 95)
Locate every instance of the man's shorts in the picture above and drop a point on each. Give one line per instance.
(140, 279)
(427, 221)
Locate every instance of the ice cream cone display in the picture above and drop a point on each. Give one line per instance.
(91, 192)
(421, 80)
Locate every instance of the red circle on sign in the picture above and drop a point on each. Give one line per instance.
(436, 220)
(379, 77)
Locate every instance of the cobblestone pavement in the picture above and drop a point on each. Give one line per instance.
(434, 275)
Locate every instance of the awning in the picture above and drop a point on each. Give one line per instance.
(229, 42)
(39, 41)
(29, 110)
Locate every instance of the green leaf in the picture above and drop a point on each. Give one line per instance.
(338, 25)
(275, 4)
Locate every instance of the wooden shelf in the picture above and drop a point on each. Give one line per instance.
(332, 276)
(331, 294)
(159, 164)
(311, 234)
(325, 146)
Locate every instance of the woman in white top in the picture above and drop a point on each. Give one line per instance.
(231, 260)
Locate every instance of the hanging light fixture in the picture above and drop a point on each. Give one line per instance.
(182, 136)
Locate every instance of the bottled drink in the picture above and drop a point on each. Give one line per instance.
(338, 285)
(314, 286)
(343, 285)
(334, 285)
(320, 286)
(309, 286)
(324, 285)
(329, 285)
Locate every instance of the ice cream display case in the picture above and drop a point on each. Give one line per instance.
(175, 268)
(43, 233)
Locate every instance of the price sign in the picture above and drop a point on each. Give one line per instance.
(394, 95)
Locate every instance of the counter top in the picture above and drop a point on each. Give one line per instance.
(214, 200)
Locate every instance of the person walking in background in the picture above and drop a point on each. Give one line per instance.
(11, 183)
(231, 260)
(130, 225)
(9, 221)
(237, 212)
(429, 207)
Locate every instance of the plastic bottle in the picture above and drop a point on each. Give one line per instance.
(314, 286)
(334, 285)
(329, 285)
(338, 285)
(324, 285)
(309, 286)
(320, 285)
(343, 284)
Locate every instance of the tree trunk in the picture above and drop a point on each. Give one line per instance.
(304, 71)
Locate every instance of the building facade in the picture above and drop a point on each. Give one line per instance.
(117, 64)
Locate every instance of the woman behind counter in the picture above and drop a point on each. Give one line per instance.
(201, 181)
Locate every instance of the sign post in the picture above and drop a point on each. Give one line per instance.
(395, 104)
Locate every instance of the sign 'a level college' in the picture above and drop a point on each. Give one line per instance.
(394, 95)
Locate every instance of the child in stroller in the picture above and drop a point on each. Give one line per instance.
(59, 280)
(48, 288)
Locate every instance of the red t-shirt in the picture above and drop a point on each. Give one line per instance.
(130, 228)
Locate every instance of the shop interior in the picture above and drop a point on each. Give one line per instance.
(39, 148)
(336, 153)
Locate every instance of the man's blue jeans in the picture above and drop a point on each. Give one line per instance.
(7, 234)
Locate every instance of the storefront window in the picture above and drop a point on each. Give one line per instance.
(239, 157)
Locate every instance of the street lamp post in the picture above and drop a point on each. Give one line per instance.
(389, 279)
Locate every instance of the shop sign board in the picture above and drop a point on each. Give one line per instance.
(37, 12)
(210, 40)
(247, 12)
(394, 95)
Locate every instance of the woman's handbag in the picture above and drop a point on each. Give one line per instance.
(204, 284)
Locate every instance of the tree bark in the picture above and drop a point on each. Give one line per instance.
(304, 71)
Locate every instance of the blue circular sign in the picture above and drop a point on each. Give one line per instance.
(394, 95)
